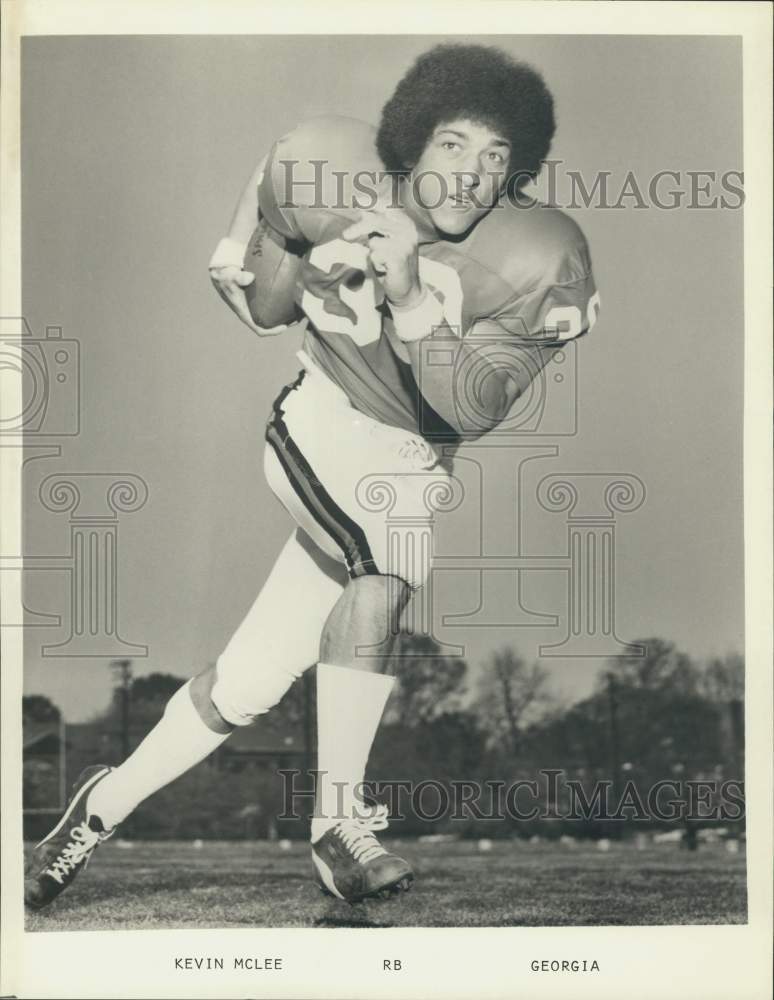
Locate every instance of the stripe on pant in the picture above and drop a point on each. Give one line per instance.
(346, 533)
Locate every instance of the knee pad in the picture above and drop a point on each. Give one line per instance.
(199, 689)
(241, 695)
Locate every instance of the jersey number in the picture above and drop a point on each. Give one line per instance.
(367, 326)
(568, 321)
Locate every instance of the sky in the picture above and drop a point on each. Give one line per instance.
(132, 163)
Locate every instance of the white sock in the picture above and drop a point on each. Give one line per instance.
(349, 708)
(178, 741)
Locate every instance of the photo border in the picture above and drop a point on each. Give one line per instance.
(637, 961)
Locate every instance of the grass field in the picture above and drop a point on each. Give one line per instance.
(516, 883)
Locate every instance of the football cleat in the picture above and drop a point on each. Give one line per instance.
(352, 865)
(66, 851)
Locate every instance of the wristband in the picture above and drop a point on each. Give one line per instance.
(228, 253)
(417, 322)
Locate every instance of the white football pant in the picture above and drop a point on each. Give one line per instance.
(364, 495)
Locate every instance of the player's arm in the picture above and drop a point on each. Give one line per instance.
(226, 270)
(420, 324)
(481, 378)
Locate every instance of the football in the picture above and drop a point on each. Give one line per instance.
(275, 263)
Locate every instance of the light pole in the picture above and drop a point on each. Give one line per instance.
(123, 668)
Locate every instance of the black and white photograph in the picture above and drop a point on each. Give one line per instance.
(387, 500)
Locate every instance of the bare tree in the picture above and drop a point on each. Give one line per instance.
(511, 695)
(722, 682)
(663, 667)
(723, 678)
(429, 683)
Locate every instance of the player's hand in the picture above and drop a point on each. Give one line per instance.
(391, 237)
(230, 282)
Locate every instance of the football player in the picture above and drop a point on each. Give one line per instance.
(434, 292)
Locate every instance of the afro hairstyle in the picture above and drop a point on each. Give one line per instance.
(477, 82)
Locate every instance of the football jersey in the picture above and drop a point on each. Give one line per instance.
(525, 269)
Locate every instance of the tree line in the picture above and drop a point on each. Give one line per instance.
(660, 717)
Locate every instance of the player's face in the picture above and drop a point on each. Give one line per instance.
(460, 174)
